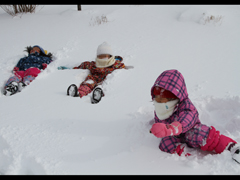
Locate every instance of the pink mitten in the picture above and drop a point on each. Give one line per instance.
(161, 130)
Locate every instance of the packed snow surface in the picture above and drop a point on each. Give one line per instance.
(44, 131)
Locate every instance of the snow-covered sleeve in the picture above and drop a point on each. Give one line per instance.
(19, 64)
(84, 65)
(188, 115)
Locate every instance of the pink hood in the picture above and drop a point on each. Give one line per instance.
(185, 113)
(173, 81)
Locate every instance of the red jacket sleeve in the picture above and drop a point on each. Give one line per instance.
(118, 65)
(84, 65)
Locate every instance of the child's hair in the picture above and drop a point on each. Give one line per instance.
(29, 48)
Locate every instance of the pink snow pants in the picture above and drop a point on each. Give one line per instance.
(24, 76)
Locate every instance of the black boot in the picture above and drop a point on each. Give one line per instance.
(11, 89)
(235, 151)
(97, 95)
(72, 91)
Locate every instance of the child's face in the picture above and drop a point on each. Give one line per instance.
(35, 49)
(159, 99)
(102, 56)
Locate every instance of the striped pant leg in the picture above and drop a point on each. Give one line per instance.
(169, 144)
(13, 79)
(197, 136)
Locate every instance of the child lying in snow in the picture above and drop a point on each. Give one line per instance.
(27, 69)
(177, 122)
(105, 64)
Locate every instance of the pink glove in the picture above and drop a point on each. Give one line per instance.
(44, 66)
(161, 130)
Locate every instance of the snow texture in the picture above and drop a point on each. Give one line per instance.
(43, 131)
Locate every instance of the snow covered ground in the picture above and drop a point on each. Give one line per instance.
(43, 131)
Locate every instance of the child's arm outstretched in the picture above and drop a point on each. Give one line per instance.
(84, 65)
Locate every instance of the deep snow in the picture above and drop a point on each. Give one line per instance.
(43, 131)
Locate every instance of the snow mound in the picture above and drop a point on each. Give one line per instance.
(201, 15)
(223, 113)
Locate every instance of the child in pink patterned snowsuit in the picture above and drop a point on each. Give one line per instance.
(179, 122)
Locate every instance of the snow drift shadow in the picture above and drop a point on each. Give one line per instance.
(222, 113)
(14, 164)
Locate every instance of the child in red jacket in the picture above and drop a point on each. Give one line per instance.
(104, 64)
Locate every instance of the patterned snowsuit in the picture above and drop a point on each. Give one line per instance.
(28, 68)
(97, 75)
(194, 133)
